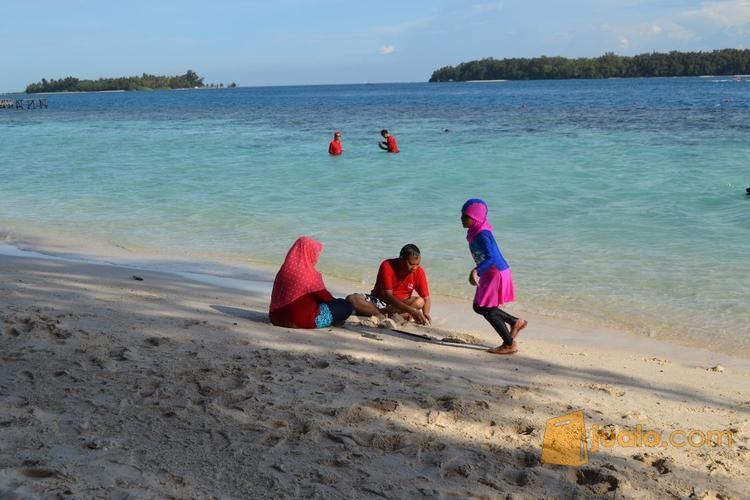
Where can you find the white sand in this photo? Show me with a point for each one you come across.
(116, 388)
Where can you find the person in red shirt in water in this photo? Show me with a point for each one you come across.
(389, 144)
(335, 148)
(395, 287)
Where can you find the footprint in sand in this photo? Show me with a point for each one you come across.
(523, 478)
(599, 481)
(389, 442)
(519, 391)
(606, 388)
(28, 324)
(466, 470)
(400, 374)
(12, 331)
(354, 415)
(156, 341)
(384, 405)
(530, 460)
(524, 428)
(662, 464)
(459, 409)
(121, 354)
(38, 473)
(349, 359)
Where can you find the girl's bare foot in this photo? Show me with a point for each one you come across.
(517, 327)
(504, 349)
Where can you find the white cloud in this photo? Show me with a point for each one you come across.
(387, 49)
(642, 36)
(726, 13)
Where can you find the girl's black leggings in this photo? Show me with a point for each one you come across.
(498, 318)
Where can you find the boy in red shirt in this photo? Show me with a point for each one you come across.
(398, 279)
(335, 148)
(390, 142)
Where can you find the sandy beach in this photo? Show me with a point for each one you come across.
(112, 387)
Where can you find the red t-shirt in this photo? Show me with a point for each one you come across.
(392, 146)
(334, 148)
(302, 312)
(402, 285)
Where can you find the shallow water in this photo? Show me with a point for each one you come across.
(621, 200)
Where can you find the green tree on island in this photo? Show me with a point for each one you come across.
(144, 82)
(609, 65)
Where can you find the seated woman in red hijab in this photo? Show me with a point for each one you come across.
(299, 298)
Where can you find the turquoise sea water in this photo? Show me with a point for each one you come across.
(622, 200)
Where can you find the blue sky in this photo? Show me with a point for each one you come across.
(280, 42)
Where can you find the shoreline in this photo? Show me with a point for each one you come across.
(170, 386)
(453, 312)
(566, 267)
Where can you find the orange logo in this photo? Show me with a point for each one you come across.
(565, 440)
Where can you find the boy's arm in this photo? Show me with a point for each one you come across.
(423, 290)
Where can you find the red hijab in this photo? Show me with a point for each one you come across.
(297, 276)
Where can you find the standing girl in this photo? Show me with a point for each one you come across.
(299, 298)
(491, 276)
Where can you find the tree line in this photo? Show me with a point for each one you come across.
(610, 65)
(70, 84)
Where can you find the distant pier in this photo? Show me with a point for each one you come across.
(8, 103)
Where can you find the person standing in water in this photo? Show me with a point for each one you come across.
(389, 144)
(335, 147)
(491, 276)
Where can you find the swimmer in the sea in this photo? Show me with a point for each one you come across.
(335, 148)
(389, 144)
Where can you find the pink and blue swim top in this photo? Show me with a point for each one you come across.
(482, 244)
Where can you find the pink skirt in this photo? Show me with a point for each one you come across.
(495, 288)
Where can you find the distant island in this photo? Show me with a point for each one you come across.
(145, 82)
(610, 65)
